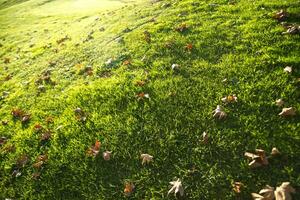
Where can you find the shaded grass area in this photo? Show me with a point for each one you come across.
(236, 40)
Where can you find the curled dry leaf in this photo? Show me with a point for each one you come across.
(37, 127)
(292, 29)
(205, 137)
(140, 83)
(176, 187)
(288, 112)
(3, 140)
(230, 99)
(174, 66)
(189, 47)
(142, 95)
(258, 159)
(219, 113)
(94, 150)
(275, 151)
(106, 155)
(237, 187)
(280, 15)
(25, 118)
(46, 136)
(129, 187)
(17, 113)
(146, 158)
(183, 27)
(283, 192)
(279, 102)
(22, 160)
(265, 194)
(36, 175)
(288, 69)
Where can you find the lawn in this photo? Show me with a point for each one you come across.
(79, 78)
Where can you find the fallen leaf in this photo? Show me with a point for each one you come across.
(106, 155)
(230, 99)
(288, 112)
(127, 62)
(36, 175)
(237, 187)
(128, 190)
(4, 122)
(94, 150)
(275, 151)
(189, 47)
(183, 27)
(26, 118)
(279, 102)
(142, 95)
(280, 15)
(293, 29)
(6, 60)
(205, 137)
(174, 66)
(257, 159)
(38, 165)
(37, 127)
(284, 191)
(17, 113)
(288, 69)
(22, 160)
(219, 113)
(140, 83)
(176, 187)
(46, 136)
(146, 158)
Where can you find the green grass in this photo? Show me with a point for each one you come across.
(238, 40)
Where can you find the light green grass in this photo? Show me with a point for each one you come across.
(237, 40)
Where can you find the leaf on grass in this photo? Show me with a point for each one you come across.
(22, 160)
(142, 96)
(280, 15)
(176, 187)
(205, 137)
(219, 113)
(129, 188)
(140, 83)
(17, 113)
(279, 102)
(146, 158)
(182, 28)
(288, 112)
(26, 118)
(80, 114)
(292, 29)
(6, 60)
(230, 99)
(283, 192)
(265, 194)
(36, 175)
(4, 122)
(94, 150)
(288, 69)
(175, 66)
(275, 151)
(237, 187)
(189, 47)
(46, 136)
(3, 140)
(106, 155)
(257, 159)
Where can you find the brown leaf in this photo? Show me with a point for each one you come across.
(25, 118)
(237, 187)
(258, 159)
(284, 191)
(106, 155)
(205, 138)
(128, 190)
(140, 83)
(18, 113)
(182, 28)
(94, 150)
(275, 151)
(46, 136)
(288, 112)
(280, 15)
(189, 47)
(22, 160)
(279, 102)
(6, 60)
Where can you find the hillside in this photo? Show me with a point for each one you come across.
(82, 77)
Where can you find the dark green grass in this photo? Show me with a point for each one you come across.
(237, 40)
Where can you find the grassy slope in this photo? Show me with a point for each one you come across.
(236, 40)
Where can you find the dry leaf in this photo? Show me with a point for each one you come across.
(265, 194)
(106, 155)
(129, 187)
(284, 191)
(182, 28)
(280, 15)
(17, 113)
(25, 118)
(6, 60)
(279, 102)
(176, 187)
(189, 47)
(237, 187)
(258, 159)
(292, 29)
(46, 136)
(4, 122)
(288, 69)
(219, 113)
(205, 137)
(275, 151)
(140, 83)
(142, 95)
(146, 158)
(22, 160)
(38, 165)
(175, 66)
(288, 112)
(94, 150)
(230, 99)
